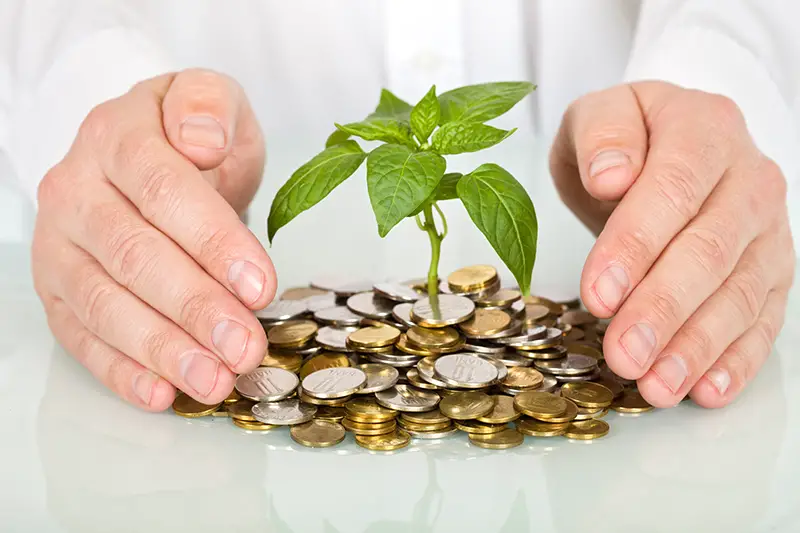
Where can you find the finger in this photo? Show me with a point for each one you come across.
(740, 363)
(717, 323)
(684, 164)
(694, 265)
(119, 373)
(171, 194)
(158, 272)
(120, 319)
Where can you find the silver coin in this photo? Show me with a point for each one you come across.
(426, 372)
(284, 413)
(379, 377)
(396, 363)
(397, 292)
(467, 371)
(487, 348)
(399, 356)
(337, 316)
(341, 286)
(579, 377)
(511, 359)
(554, 352)
(451, 310)
(444, 287)
(525, 336)
(334, 339)
(518, 309)
(514, 329)
(502, 371)
(308, 350)
(483, 293)
(552, 335)
(370, 305)
(549, 384)
(320, 301)
(432, 435)
(282, 310)
(571, 365)
(267, 384)
(405, 398)
(334, 382)
(353, 287)
(413, 377)
(402, 313)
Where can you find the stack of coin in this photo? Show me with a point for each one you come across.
(389, 363)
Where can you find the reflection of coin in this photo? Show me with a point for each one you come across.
(370, 305)
(267, 384)
(338, 316)
(334, 382)
(466, 405)
(404, 398)
(465, 370)
(396, 292)
(318, 434)
(444, 310)
(283, 413)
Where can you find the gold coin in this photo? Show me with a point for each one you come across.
(466, 405)
(428, 417)
(508, 438)
(405, 346)
(587, 413)
(502, 413)
(301, 293)
(545, 354)
(540, 405)
(373, 337)
(252, 426)
(335, 402)
(395, 440)
(187, 407)
(553, 307)
(535, 312)
(318, 434)
(568, 415)
(290, 362)
(584, 349)
(486, 322)
(292, 333)
(577, 318)
(366, 409)
(423, 427)
(329, 413)
(413, 377)
(472, 278)
(631, 402)
(522, 377)
(361, 428)
(587, 394)
(587, 429)
(432, 338)
(501, 298)
(322, 361)
(453, 348)
(378, 350)
(535, 428)
(242, 410)
(474, 427)
(233, 397)
(573, 335)
(222, 412)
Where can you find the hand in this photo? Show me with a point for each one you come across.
(694, 256)
(146, 272)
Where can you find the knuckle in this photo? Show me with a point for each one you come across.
(95, 295)
(772, 182)
(50, 192)
(214, 244)
(713, 248)
(197, 309)
(116, 376)
(156, 347)
(98, 123)
(665, 306)
(133, 254)
(636, 245)
(700, 342)
(725, 110)
(677, 187)
(745, 292)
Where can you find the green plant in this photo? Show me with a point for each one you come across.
(406, 175)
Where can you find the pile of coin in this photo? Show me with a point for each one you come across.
(389, 363)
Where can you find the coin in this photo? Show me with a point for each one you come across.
(329, 413)
(486, 322)
(334, 402)
(568, 415)
(517, 309)
(554, 352)
(187, 407)
(397, 292)
(584, 349)
(552, 337)
(395, 440)
(594, 374)
(424, 427)
(432, 338)
(465, 370)
(472, 277)
(508, 438)
(392, 360)
(318, 434)
(292, 333)
(548, 385)
(370, 305)
(587, 394)
(511, 359)
(426, 372)
(334, 382)
(478, 346)
(535, 312)
(528, 335)
(502, 412)
(334, 338)
(535, 428)
(373, 337)
(466, 405)
(337, 316)
(405, 398)
(428, 417)
(433, 435)
(366, 409)
(631, 402)
(523, 378)
(555, 308)
(570, 365)
(414, 378)
(587, 429)
(577, 318)
(514, 329)
(322, 361)
(473, 427)
(362, 428)
(242, 410)
(252, 426)
(301, 293)
(404, 345)
(341, 286)
(379, 377)
(402, 313)
(479, 294)
(501, 298)
(282, 310)
(267, 384)
(290, 362)
(450, 310)
(284, 412)
(540, 405)
(233, 397)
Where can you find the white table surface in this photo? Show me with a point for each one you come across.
(74, 458)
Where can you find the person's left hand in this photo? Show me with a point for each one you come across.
(694, 257)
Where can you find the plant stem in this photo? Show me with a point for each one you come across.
(436, 245)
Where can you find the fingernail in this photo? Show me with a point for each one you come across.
(720, 378)
(230, 338)
(203, 131)
(611, 286)
(143, 386)
(247, 280)
(672, 371)
(199, 372)
(639, 342)
(607, 160)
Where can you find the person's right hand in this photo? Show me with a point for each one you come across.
(146, 272)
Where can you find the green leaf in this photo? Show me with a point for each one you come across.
(312, 182)
(391, 106)
(482, 102)
(460, 137)
(399, 180)
(381, 129)
(504, 213)
(337, 137)
(425, 115)
(446, 190)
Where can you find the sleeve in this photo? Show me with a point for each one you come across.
(747, 50)
(57, 61)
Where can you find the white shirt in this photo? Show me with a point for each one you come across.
(308, 63)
